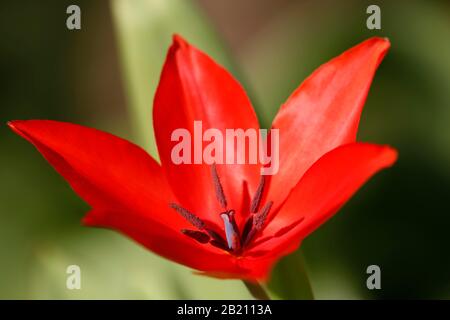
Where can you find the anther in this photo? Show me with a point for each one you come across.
(219, 245)
(255, 223)
(261, 217)
(218, 187)
(258, 195)
(215, 236)
(197, 235)
(189, 216)
(248, 227)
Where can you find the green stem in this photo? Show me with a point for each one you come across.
(256, 290)
(289, 279)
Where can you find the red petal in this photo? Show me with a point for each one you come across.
(321, 192)
(193, 87)
(246, 268)
(106, 171)
(323, 112)
(125, 186)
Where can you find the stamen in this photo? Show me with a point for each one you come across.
(257, 223)
(230, 230)
(215, 236)
(189, 216)
(247, 230)
(218, 187)
(260, 218)
(258, 195)
(234, 241)
(249, 237)
(197, 235)
(219, 245)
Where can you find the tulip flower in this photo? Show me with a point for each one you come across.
(225, 220)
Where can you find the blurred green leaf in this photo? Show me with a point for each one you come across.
(113, 267)
(289, 279)
(144, 31)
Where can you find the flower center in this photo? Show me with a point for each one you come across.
(235, 240)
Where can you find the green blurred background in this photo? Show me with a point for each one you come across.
(104, 76)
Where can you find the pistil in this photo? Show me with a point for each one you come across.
(231, 230)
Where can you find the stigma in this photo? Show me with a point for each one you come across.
(231, 230)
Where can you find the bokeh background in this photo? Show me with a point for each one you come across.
(104, 76)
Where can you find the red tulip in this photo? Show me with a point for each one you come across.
(225, 221)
